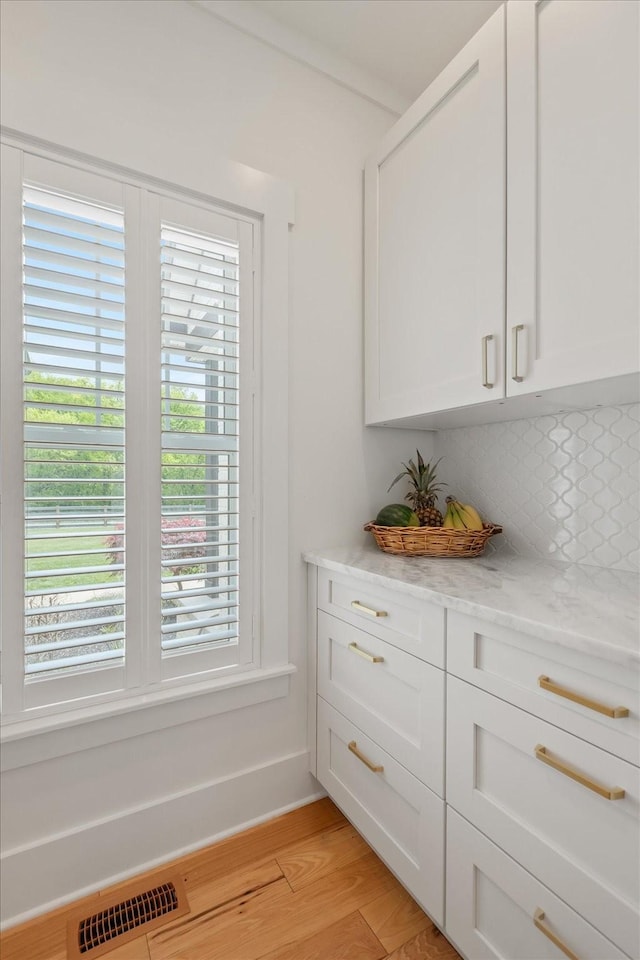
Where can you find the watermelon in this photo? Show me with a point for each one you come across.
(397, 515)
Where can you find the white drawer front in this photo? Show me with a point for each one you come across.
(396, 699)
(492, 905)
(580, 844)
(406, 622)
(400, 817)
(511, 665)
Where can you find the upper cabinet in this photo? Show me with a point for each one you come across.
(502, 222)
(435, 245)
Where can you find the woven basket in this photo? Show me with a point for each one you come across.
(432, 541)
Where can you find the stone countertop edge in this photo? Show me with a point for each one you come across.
(591, 609)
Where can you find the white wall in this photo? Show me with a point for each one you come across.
(132, 81)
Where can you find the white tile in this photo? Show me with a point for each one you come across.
(564, 487)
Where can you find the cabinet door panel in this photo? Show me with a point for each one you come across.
(573, 192)
(434, 241)
(576, 841)
(492, 904)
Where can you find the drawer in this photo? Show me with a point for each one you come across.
(400, 818)
(581, 845)
(411, 624)
(510, 665)
(396, 699)
(493, 905)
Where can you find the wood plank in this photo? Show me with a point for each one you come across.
(395, 917)
(225, 897)
(430, 944)
(188, 936)
(348, 939)
(260, 928)
(204, 891)
(307, 861)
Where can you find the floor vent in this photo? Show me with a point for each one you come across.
(106, 923)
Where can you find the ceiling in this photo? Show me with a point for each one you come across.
(404, 43)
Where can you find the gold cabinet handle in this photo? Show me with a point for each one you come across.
(514, 352)
(609, 793)
(485, 362)
(547, 684)
(374, 767)
(363, 608)
(538, 918)
(363, 653)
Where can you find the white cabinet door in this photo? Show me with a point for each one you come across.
(435, 242)
(573, 192)
(564, 809)
(498, 911)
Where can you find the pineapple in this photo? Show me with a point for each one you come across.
(424, 490)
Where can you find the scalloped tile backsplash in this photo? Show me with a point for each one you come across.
(564, 487)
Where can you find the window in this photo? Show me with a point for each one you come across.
(131, 439)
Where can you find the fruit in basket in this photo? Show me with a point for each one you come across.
(462, 516)
(424, 490)
(397, 515)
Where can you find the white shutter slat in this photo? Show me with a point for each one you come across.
(72, 225)
(89, 306)
(69, 265)
(42, 278)
(67, 663)
(211, 267)
(84, 250)
(184, 276)
(73, 263)
(56, 351)
(206, 591)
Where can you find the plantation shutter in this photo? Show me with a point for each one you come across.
(74, 433)
(128, 455)
(200, 420)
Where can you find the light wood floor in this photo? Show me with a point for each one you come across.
(304, 886)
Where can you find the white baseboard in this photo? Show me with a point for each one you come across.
(59, 869)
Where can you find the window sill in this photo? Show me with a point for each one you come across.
(29, 741)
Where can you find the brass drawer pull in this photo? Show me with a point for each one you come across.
(485, 362)
(363, 608)
(374, 767)
(363, 653)
(609, 793)
(538, 917)
(547, 684)
(514, 353)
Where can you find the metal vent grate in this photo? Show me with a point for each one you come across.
(94, 934)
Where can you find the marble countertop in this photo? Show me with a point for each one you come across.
(592, 609)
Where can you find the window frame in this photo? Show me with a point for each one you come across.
(246, 196)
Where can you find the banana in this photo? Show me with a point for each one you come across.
(448, 518)
(452, 519)
(462, 516)
(458, 520)
(470, 517)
